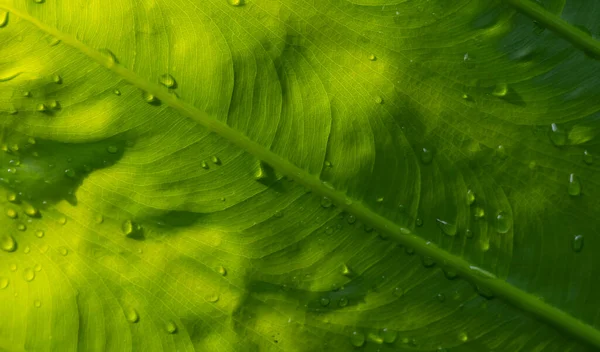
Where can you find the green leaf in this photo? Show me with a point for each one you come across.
(299, 175)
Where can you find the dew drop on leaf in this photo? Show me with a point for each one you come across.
(39, 233)
(501, 152)
(131, 315)
(41, 107)
(150, 98)
(171, 327)
(351, 219)
(8, 243)
(441, 297)
(479, 212)
(388, 335)
(574, 185)
(346, 271)
(235, 2)
(588, 158)
(167, 80)
(427, 261)
(447, 227)
(37, 267)
(326, 202)
(222, 271)
(116, 92)
(426, 156)
(13, 267)
(463, 337)
(70, 173)
(577, 243)
(62, 220)
(28, 274)
(470, 197)
(99, 218)
(26, 249)
(372, 57)
(110, 57)
(11, 197)
(3, 283)
(215, 160)
(469, 233)
(500, 90)
(3, 18)
(379, 100)
(37, 303)
(204, 164)
(39, 1)
(30, 210)
(503, 222)
(343, 302)
(324, 301)
(557, 136)
(398, 292)
(213, 298)
(357, 339)
(63, 251)
(57, 79)
(112, 149)
(11, 213)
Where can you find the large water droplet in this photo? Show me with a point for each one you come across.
(503, 222)
(171, 327)
(574, 185)
(222, 271)
(8, 243)
(131, 315)
(426, 156)
(557, 135)
(357, 339)
(578, 243)
(3, 283)
(588, 158)
(167, 80)
(111, 58)
(388, 335)
(3, 18)
(28, 274)
(447, 227)
(131, 229)
(30, 210)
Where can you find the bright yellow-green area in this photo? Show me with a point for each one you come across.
(463, 129)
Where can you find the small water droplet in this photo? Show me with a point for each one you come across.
(450, 274)
(447, 227)
(503, 222)
(467, 97)
(27, 94)
(398, 292)
(351, 219)
(37, 303)
(171, 327)
(222, 271)
(99, 218)
(111, 58)
(379, 100)
(588, 158)
(116, 92)
(150, 98)
(53, 41)
(39, 1)
(346, 271)
(30, 210)
(8, 243)
(463, 337)
(3, 18)
(426, 156)
(26, 249)
(326, 202)
(427, 261)
(215, 160)
(388, 335)
(131, 315)
(37, 267)
(500, 90)
(63, 251)
(13, 267)
(62, 220)
(39, 233)
(501, 152)
(235, 2)
(11, 197)
(3, 283)
(41, 107)
(557, 135)
(57, 79)
(372, 57)
(379, 199)
(357, 339)
(167, 80)
(324, 301)
(419, 222)
(112, 149)
(578, 243)
(469, 233)
(28, 274)
(470, 197)
(130, 228)
(214, 298)
(479, 212)
(11, 213)
(441, 297)
(204, 164)
(343, 302)
(70, 173)
(574, 185)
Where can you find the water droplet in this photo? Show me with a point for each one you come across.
(3, 283)
(3, 18)
(501, 152)
(450, 274)
(463, 337)
(503, 222)
(379, 100)
(557, 135)
(37, 267)
(204, 164)
(30, 210)
(54, 104)
(171, 327)
(11, 197)
(11, 213)
(466, 96)
(8, 243)
(479, 212)
(388, 336)
(27, 94)
(26, 249)
(116, 92)
(112, 149)
(372, 57)
(427, 261)
(62, 220)
(222, 271)
(63, 251)
(70, 173)
(469, 233)
(57, 79)
(41, 107)
(13, 267)
(167, 80)
(324, 301)
(447, 227)
(37, 303)
(500, 90)
(426, 156)
(99, 218)
(578, 243)
(28, 274)
(130, 228)
(398, 292)
(357, 339)
(214, 298)
(39, 1)
(588, 158)
(351, 219)
(53, 41)
(150, 98)
(215, 160)
(419, 222)
(235, 2)
(470, 197)
(343, 302)
(111, 58)
(326, 202)
(574, 185)
(39, 233)
(441, 297)
(131, 315)
(346, 271)
(379, 199)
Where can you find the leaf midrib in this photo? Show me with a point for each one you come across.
(404, 236)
